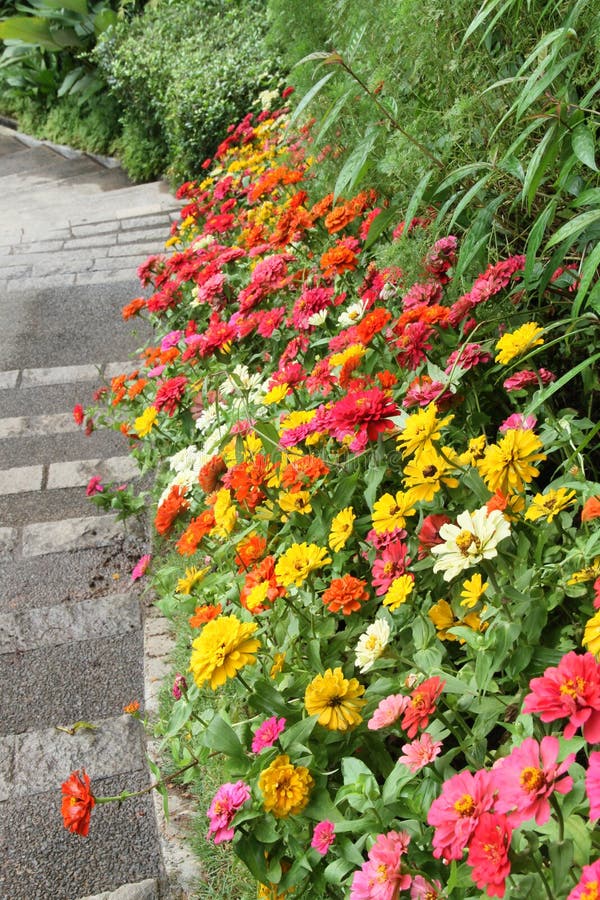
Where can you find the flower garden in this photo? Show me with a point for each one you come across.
(376, 517)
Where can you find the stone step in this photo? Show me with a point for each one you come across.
(17, 446)
(9, 144)
(29, 161)
(60, 178)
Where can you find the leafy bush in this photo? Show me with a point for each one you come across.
(182, 72)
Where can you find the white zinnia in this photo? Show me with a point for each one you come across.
(317, 318)
(352, 314)
(371, 644)
(474, 537)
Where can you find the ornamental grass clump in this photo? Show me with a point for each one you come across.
(376, 515)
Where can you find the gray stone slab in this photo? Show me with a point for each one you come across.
(149, 889)
(20, 285)
(20, 510)
(151, 221)
(44, 626)
(47, 399)
(70, 534)
(78, 472)
(103, 239)
(48, 756)
(8, 540)
(160, 235)
(41, 860)
(39, 247)
(58, 375)
(140, 249)
(126, 277)
(111, 370)
(109, 263)
(60, 685)
(9, 379)
(108, 226)
(81, 575)
(39, 446)
(20, 480)
(19, 426)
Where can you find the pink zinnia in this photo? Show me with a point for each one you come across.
(421, 889)
(323, 837)
(527, 778)
(267, 733)
(527, 378)
(226, 802)
(389, 710)
(589, 883)
(369, 410)
(455, 813)
(140, 567)
(467, 357)
(94, 486)
(592, 784)
(390, 565)
(570, 690)
(420, 752)
(488, 853)
(518, 422)
(422, 705)
(381, 877)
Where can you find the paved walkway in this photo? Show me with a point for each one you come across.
(72, 233)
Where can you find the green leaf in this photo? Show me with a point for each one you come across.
(544, 154)
(588, 272)
(398, 777)
(536, 235)
(298, 733)
(584, 146)
(561, 858)
(332, 115)
(355, 166)
(415, 200)
(70, 80)
(220, 736)
(574, 227)
(252, 853)
(266, 698)
(310, 95)
(180, 714)
(373, 478)
(468, 196)
(30, 30)
(541, 397)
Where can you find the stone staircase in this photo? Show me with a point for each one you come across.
(73, 231)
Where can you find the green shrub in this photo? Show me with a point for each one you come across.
(184, 71)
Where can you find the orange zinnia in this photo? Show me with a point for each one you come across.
(302, 472)
(591, 509)
(204, 614)
(250, 551)
(169, 509)
(133, 308)
(345, 594)
(77, 803)
(210, 473)
(193, 534)
(338, 259)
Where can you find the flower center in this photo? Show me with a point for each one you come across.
(573, 687)
(590, 891)
(532, 779)
(465, 806)
(429, 471)
(465, 540)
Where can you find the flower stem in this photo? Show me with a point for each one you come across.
(127, 795)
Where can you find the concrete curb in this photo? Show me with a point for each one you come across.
(10, 127)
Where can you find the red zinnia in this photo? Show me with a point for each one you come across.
(77, 803)
(170, 393)
(422, 705)
(488, 853)
(78, 414)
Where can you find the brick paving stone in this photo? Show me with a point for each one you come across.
(20, 426)
(58, 375)
(78, 472)
(21, 479)
(9, 379)
(70, 534)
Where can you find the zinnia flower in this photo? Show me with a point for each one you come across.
(399, 592)
(77, 803)
(381, 876)
(388, 711)
(473, 590)
(516, 343)
(420, 429)
(371, 645)
(474, 537)
(224, 647)
(335, 700)
(421, 889)
(420, 752)
(421, 705)
(298, 561)
(227, 801)
(588, 887)
(286, 788)
(570, 690)
(488, 853)
(323, 837)
(140, 567)
(592, 784)
(345, 594)
(527, 777)
(390, 512)
(591, 635)
(267, 733)
(547, 506)
(508, 465)
(454, 814)
(144, 423)
(591, 509)
(341, 528)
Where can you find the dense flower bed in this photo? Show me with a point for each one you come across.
(376, 515)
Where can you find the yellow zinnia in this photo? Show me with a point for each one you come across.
(224, 646)
(548, 505)
(516, 343)
(426, 473)
(390, 512)
(335, 700)
(591, 635)
(144, 424)
(286, 788)
(443, 618)
(295, 501)
(225, 514)
(341, 528)
(420, 429)
(399, 592)
(508, 465)
(473, 590)
(298, 562)
(193, 576)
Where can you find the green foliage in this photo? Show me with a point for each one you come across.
(183, 71)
